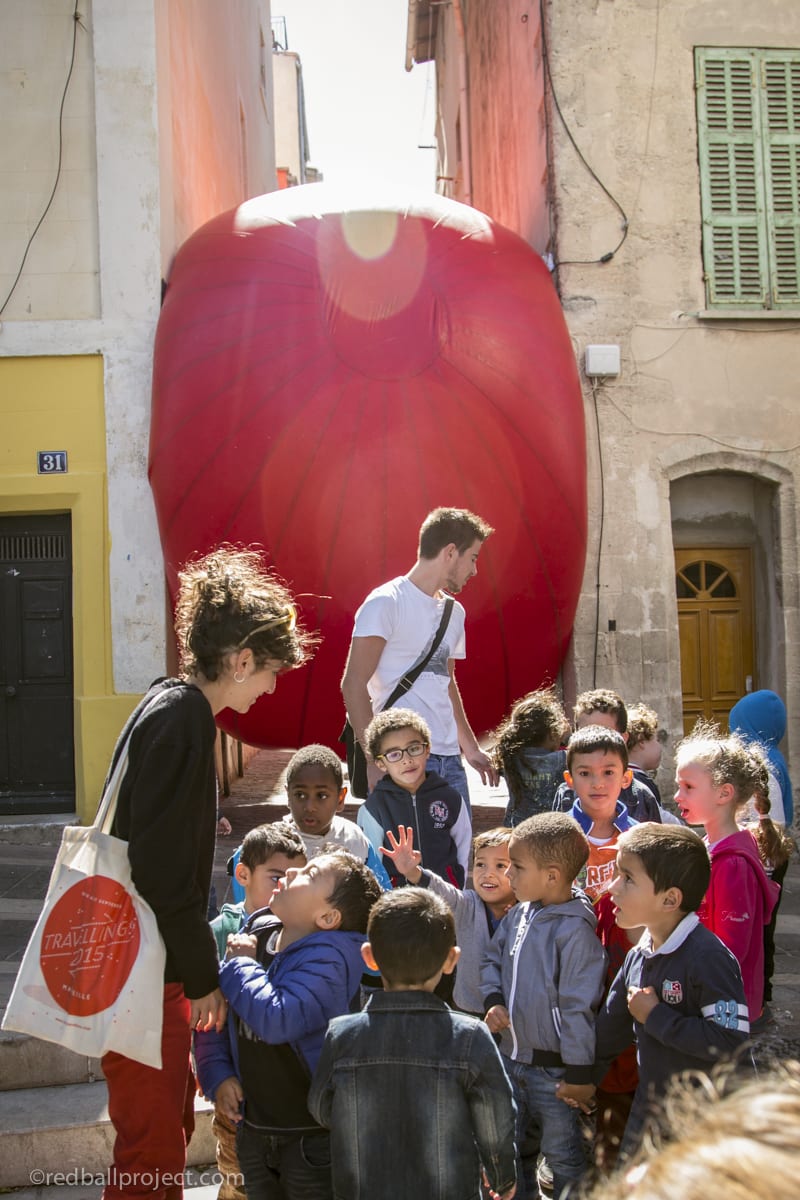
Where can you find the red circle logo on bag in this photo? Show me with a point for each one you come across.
(89, 945)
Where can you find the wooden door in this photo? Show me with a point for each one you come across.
(36, 680)
(715, 624)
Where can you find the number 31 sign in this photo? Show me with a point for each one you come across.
(51, 462)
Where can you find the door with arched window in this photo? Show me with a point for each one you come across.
(715, 623)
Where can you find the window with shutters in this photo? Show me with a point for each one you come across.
(748, 117)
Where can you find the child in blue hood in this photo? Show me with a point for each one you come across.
(761, 717)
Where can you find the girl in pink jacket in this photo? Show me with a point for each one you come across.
(715, 777)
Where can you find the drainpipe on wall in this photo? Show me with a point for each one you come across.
(411, 33)
(301, 122)
(463, 101)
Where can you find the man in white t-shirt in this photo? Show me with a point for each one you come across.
(394, 629)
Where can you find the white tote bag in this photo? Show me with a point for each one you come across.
(92, 977)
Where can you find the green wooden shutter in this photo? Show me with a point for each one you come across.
(748, 120)
(781, 95)
(735, 256)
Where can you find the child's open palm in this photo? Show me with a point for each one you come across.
(405, 858)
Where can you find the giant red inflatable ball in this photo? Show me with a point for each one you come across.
(325, 374)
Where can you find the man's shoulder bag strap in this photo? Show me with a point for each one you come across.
(411, 676)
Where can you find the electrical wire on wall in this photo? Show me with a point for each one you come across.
(599, 536)
(76, 21)
(604, 258)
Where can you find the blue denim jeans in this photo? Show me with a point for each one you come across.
(451, 768)
(285, 1166)
(561, 1139)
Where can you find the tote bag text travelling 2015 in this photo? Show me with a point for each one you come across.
(92, 976)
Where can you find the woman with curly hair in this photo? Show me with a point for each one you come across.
(237, 630)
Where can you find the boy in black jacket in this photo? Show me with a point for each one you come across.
(398, 739)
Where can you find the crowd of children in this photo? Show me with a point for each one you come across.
(602, 948)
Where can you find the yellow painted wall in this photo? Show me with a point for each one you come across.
(56, 403)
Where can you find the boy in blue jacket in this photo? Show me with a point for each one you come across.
(284, 979)
(267, 853)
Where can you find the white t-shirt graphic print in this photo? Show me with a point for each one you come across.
(407, 619)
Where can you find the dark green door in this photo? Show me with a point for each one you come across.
(37, 771)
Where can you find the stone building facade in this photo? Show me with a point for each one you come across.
(144, 120)
(651, 152)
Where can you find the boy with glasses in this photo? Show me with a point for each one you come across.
(408, 795)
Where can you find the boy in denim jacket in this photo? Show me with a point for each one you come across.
(415, 1095)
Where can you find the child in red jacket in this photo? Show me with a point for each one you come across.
(715, 777)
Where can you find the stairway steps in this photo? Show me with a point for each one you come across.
(195, 1188)
(46, 1133)
(53, 1106)
(28, 1062)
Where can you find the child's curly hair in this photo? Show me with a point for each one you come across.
(642, 724)
(227, 601)
(392, 720)
(723, 1134)
(534, 720)
(319, 756)
(553, 839)
(726, 758)
(606, 701)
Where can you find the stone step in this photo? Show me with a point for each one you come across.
(28, 1062)
(45, 1133)
(37, 829)
(78, 1188)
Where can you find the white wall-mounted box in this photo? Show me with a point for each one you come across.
(602, 360)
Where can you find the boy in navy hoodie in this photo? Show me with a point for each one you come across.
(284, 979)
(680, 989)
(399, 742)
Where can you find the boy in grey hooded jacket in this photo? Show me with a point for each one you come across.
(542, 984)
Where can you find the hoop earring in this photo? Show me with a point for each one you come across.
(236, 678)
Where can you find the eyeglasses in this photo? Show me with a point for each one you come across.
(288, 618)
(413, 751)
